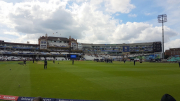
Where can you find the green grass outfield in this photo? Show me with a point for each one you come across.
(89, 80)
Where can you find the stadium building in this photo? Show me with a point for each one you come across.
(173, 54)
(60, 48)
(114, 49)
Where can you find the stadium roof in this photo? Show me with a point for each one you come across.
(120, 44)
(19, 43)
(58, 38)
(55, 38)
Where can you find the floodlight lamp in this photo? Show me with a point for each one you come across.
(159, 18)
(164, 15)
(165, 19)
(162, 18)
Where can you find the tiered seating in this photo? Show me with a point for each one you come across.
(178, 58)
(42, 58)
(54, 53)
(115, 57)
(173, 59)
(44, 53)
(26, 52)
(50, 58)
(64, 53)
(89, 57)
(1, 51)
(60, 58)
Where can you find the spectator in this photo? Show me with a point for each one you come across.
(38, 99)
(167, 97)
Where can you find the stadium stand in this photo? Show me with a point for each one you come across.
(173, 59)
(60, 58)
(57, 47)
(89, 57)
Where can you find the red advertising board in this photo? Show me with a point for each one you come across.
(8, 97)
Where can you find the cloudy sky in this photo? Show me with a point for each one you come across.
(90, 21)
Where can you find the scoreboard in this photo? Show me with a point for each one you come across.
(157, 47)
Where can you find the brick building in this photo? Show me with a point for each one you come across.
(172, 52)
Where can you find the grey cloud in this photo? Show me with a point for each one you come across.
(140, 32)
(61, 20)
(130, 30)
(35, 7)
(26, 24)
(13, 1)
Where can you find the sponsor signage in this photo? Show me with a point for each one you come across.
(25, 98)
(43, 44)
(70, 100)
(49, 99)
(111, 50)
(125, 48)
(16, 98)
(73, 56)
(8, 97)
(31, 99)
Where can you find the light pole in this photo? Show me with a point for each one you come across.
(161, 19)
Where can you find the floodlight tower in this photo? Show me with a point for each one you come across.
(161, 19)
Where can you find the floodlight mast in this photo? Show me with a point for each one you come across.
(161, 19)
